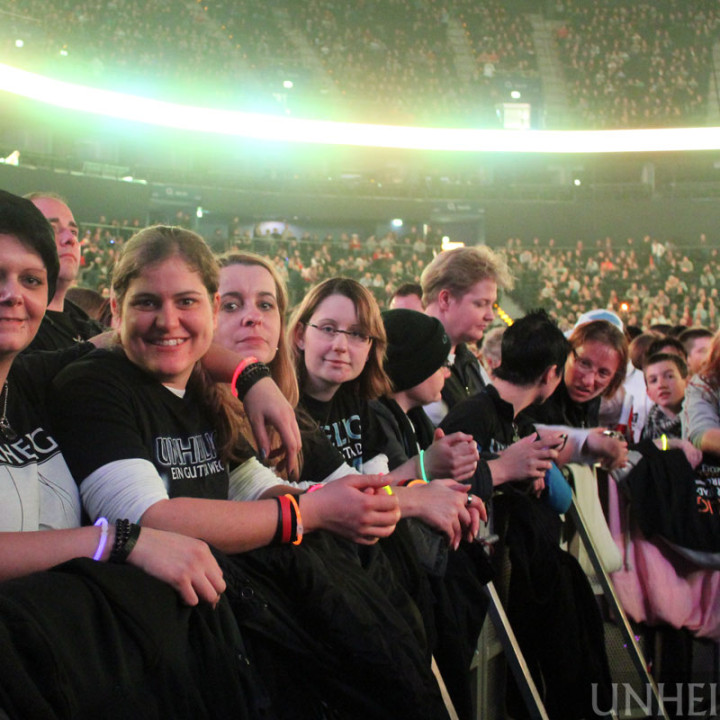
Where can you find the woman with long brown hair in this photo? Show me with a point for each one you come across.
(339, 341)
(168, 452)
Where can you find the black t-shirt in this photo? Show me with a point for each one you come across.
(59, 330)
(349, 425)
(489, 419)
(36, 489)
(105, 409)
(320, 457)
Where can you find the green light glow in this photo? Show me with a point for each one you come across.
(269, 127)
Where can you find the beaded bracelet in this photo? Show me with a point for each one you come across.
(241, 367)
(126, 537)
(248, 377)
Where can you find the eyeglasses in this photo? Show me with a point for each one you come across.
(355, 337)
(586, 367)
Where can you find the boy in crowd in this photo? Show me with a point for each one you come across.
(666, 380)
(666, 376)
(533, 355)
(696, 341)
(416, 363)
(565, 650)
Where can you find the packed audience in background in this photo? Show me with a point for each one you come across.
(645, 281)
(637, 64)
(625, 65)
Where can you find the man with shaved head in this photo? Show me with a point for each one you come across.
(65, 323)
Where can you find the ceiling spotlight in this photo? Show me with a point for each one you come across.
(12, 159)
(515, 95)
(288, 84)
(19, 43)
(448, 244)
(397, 223)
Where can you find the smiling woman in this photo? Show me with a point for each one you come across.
(23, 297)
(166, 319)
(168, 452)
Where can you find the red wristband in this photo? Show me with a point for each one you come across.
(286, 519)
(238, 371)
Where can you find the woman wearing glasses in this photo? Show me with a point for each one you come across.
(251, 323)
(595, 368)
(167, 449)
(339, 343)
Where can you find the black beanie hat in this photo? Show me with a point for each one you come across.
(417, 346)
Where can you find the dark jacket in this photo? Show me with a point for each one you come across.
(89, 640)
(465, 378)
(561, 409)
(59, 330)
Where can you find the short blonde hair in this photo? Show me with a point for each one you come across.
(459, 269)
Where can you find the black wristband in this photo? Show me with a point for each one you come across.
(249, 376)
(132, 539)
(126, 536)
(277, 537)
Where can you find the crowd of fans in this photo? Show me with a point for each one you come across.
(396, 52)
(164, 314)
(626, 64)
(126, 44)
(501, 40)
(638, 64)
(645, 282)
(378, 263)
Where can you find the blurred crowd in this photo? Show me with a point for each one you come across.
(638, 64)
(626, 64)
(645, 282)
